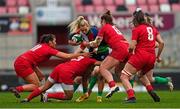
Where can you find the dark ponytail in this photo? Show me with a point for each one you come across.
(45, 38)
(138, 17)
(107, 17)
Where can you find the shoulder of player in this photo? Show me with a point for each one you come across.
(139, 27)
(47, 47)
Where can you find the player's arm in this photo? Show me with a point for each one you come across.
(134, 38)
(132, 46)
(71, 55)
(160, 47)
(79, 50)
(73, 43)
(156, 44)
(97, 63)
(81, 47)
(94, 43)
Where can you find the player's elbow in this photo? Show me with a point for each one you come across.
(161, 43)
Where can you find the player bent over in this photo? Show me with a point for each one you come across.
(64, 74)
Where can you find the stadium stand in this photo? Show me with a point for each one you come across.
(148, 5)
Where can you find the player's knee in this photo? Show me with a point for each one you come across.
(37, 84)
(151, 80)
(34, 86)
(124, 76)
(101, 68)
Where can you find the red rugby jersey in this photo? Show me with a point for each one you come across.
(39, 53)
(145, 35)
(77, 66)
(112, 36)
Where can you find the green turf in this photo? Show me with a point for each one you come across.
(168, 100)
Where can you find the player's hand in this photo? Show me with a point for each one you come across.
(73, 43)
(95, 50)
(86, 44)
(158, 59)
(86, 54)
(42, 82)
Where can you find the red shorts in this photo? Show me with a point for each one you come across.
(120, 53)
(62, 76)
(23, 67)
(143, 61)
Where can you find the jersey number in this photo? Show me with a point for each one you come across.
(117, 31)
(150, 33)
(78, 59)
(36, 47)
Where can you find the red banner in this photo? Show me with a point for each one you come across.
(164, 21)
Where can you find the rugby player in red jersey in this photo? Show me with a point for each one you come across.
(144, 37)
(26, 65)
(158, 79)
(116, 41)
(65, 74)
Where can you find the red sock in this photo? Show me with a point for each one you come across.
(58, 95)
(149, 88)
(130, 93)
(19, 88)
(111, 84)
(33, 94)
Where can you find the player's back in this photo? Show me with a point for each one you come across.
(146, 37)
(39, 53)
(111, 35)
(78, 65)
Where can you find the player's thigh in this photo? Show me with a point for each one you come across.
(128, 68)
(109, 62)
(32, 79)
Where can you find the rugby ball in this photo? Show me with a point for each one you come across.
(77, 38)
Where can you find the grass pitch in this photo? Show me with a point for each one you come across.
(168, 100)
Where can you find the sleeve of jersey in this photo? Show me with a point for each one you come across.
(53, 51)
(134, 34)
(93, 60)
(101, 32)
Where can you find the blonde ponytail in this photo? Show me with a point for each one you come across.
(75, 25)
